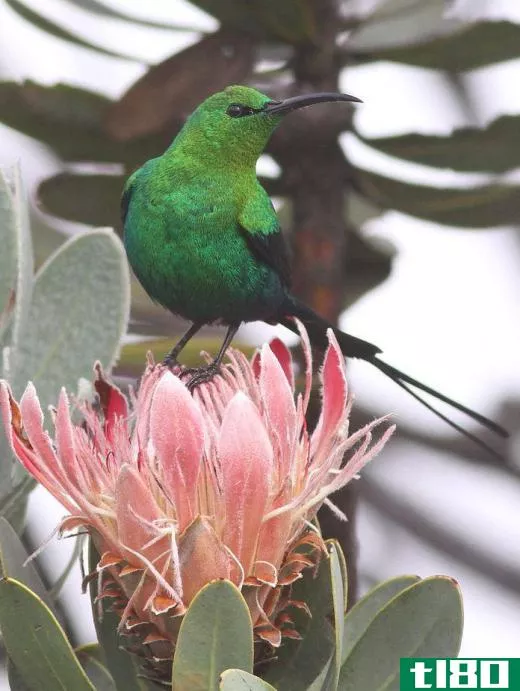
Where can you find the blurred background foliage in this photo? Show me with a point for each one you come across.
(285, 47)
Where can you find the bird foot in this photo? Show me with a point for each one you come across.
(170, 362)
(201, 375)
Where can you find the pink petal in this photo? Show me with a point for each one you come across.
(39, 439)
(136, 510)
(177, 434)
(334, 390)
(203, 557)
(65, 445)
(12, 420)
(279, 407)
(246, 458)
(283, 355)
(307, 353)
(113, 403)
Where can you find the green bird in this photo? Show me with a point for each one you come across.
(204, 240)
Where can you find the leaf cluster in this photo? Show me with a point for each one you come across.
(215, 651)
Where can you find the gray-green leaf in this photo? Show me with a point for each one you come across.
(474, 207)
(238, 680)
(362, 614)
(35, 642)
(78, 314)
(216, 634)
(468, 149)
(424, 620)
(473, 46)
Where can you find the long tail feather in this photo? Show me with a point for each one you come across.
(357, 348)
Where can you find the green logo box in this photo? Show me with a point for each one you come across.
(442, 674)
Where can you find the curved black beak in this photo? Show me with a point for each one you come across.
(285, 106)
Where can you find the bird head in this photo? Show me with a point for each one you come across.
(235, 124)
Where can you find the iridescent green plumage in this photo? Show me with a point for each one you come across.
(203, 238)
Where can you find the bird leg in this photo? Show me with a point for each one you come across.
(170, 360)
(206, 373)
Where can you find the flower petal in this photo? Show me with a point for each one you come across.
(39, 439)
(113, 403)
(203, 557)
(279, 408)
(246, 458)
(334, 390)
(177, 435)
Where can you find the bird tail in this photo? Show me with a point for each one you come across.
(357, 348)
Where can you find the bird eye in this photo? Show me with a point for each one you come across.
(235, 110)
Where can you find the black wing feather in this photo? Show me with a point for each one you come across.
(271, 249)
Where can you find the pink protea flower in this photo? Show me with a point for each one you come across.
(188, 488)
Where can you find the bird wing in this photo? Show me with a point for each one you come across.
(270, 249)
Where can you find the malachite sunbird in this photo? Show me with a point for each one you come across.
(204, 240)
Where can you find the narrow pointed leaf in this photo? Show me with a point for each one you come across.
(71, 121)
(338, 577)
(424, 620)
(477, 45)
(292, 21)
(362, 614)
(238, 680)
(216, 634)
(469, 149)
(35, 642)
(57, 31)
(90, 199)
(90, 659)
(121, 665)
(169, 91)
(78, 315)
(8, 256)
(474, 207)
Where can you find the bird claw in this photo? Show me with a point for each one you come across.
(201, 375)
(170, 362)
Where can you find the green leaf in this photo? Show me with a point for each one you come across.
(300, 663)
(469, 149)
(57, 31)
(90, 199)
(238, 680)
(16, 683)
(9, 254)
(362, 614)
(424, 620)
(477, 45)
(36, 643)
(122, 666)
(15, 233)
(216, 634)
(78, 315)
(474, 207)
(338, 578)
(292, 21)
(71, 121)
(13, 557)
(90, 658)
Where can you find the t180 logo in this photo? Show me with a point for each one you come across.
(445, 673)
